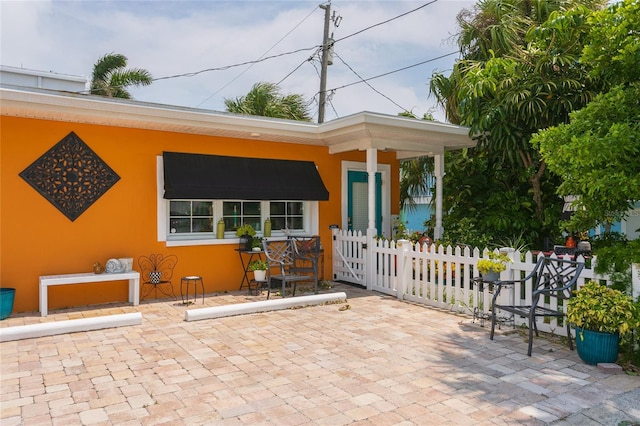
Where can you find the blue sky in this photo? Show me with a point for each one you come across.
(178, 37)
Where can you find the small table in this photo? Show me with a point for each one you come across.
(245, 264)
(478, 312)
(85, 278)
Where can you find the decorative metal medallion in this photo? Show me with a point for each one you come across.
(71, 176)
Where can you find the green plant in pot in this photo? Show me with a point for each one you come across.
(601, 315)
(491, 266)
(259, 268)
(246, 234)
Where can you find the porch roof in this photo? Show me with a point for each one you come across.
(407, 137)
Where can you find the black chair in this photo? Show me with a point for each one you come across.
(307, 256)
(156, 272)
(551, 278)
(281, 257)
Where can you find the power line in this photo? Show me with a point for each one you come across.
(395, 71)
(386, 22)
(309, 59)
(226, 67)
(367, 83)
(269, 50)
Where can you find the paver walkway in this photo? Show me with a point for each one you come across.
(380, 362)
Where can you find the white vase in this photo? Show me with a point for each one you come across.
(259, 275)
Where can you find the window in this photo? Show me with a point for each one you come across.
(188, 217)
(286, 215)
(193, 217)
(186, 222)
(238, 213)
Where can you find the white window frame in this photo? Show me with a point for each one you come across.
(310, 222)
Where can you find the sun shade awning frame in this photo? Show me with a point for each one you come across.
(217, 177)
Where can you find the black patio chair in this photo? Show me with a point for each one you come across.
(282, 265)
(551, 278)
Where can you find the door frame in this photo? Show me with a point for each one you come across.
(385, 190)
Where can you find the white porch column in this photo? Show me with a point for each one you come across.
(372, 168)
(439, 174)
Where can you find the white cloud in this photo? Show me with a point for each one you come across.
(176, 37)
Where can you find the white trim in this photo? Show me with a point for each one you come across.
(407, 137)
(385, 190)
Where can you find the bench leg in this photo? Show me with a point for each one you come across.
(43, 300)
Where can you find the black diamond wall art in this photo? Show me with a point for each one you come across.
(70, 176)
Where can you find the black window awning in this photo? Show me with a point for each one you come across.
(217, 177)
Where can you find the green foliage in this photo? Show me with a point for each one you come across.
(414, 180)
(520, 74)
(596, 154)
(615, 256)
(464, 233)
(614, 47)
(258, 265)
(264, 99)
(597, 307)
(496, 262)
(494, 202)
(111, 78)
(245, 229)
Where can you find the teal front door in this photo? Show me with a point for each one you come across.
(358, 201)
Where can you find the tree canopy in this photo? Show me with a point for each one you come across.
(264, 99)
(597, 152)
(519, 73)
(110, 77)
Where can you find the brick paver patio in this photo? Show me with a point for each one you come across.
(380, 362)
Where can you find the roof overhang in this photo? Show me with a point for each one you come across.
(406, 136)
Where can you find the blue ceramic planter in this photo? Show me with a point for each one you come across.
(7, 296)
(595, 347)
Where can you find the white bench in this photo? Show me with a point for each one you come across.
(89, 277)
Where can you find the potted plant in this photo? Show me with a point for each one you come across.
(246, 233)
(259, 268)
(256, 244)
(491, 267)
(601, 315)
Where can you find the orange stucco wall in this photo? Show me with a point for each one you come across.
(36, 239)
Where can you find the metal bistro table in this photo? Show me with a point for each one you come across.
(246, 257)
(483, 300)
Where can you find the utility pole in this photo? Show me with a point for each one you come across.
(325, 62)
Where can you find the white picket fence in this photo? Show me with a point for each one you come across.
(441, 277)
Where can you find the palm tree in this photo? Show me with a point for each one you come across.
(110, 77)
(264, 99)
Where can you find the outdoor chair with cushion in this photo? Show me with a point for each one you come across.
(282, 265)
(551, 278)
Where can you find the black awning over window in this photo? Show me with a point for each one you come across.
(199, 176)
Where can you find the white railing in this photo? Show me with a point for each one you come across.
(441, 277)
